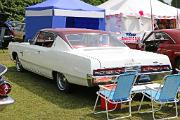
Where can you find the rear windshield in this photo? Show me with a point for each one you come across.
(93, 40)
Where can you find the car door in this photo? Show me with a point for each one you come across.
(166, 44)
(38, 53)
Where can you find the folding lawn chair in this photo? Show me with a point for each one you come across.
(119, 93)
(164, 94)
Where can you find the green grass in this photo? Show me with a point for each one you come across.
(37, 98)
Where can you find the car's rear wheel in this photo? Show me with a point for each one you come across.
(19, 66)
(62, 83)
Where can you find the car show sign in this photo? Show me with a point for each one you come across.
(130, 37)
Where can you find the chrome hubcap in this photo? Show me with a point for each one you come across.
(17, 64)
(61, 80)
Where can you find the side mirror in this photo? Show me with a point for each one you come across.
(140, 45)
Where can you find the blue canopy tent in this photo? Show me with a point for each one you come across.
(63, 14)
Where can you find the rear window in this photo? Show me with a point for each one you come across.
(93, 40)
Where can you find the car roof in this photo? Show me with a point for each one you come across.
(63, 31)
(173, 33)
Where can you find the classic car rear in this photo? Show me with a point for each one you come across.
(83, 57)
(5, 89)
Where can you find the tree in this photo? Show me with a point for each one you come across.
(162, 1)
(176, 3)
(95, 2)
(16, 8)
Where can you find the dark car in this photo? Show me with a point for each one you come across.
(6, 33)
(165, 41)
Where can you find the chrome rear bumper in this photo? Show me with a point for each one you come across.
(4, 101)
(96, 80)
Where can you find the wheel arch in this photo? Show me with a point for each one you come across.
(62, 86)
(14, 55)
(54, 74)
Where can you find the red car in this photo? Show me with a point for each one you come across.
(165, 41)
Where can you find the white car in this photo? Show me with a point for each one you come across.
(83, 57)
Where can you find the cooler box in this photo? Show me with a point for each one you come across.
(110, 105)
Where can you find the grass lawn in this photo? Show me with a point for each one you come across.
(37, 98)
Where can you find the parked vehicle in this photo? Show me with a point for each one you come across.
(19, 32)
(83, 57)
(13, 23)
(6, 33)
(5, 89)
(167, 42)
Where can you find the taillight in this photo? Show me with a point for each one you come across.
(102, 80)
(5, 88)
(157, 68)
(108, 71)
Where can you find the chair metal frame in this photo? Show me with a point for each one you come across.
(161, 101)
(116, 102)
(2, 71)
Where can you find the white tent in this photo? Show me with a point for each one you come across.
(135, 15)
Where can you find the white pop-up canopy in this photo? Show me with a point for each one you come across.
(135, 15)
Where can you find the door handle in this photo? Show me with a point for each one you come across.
(21, 53)
(38, 51)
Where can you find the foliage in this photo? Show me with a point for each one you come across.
(16, 8)
(95, 2)
(175, 3)
(162, 1)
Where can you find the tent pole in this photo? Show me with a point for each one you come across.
(151, 16)
(177, 19)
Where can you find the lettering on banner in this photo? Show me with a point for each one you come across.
(130, 37)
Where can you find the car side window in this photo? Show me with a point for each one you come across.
(163, 38)
(18, 27)
(160, 36)
(45, 39)
(151, 37)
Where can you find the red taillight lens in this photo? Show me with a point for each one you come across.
(108, 71)
(158, 68)
(102, 79)
(5, 88)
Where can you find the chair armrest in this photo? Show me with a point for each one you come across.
(107, 87)
(151, 88)
(154, 86)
